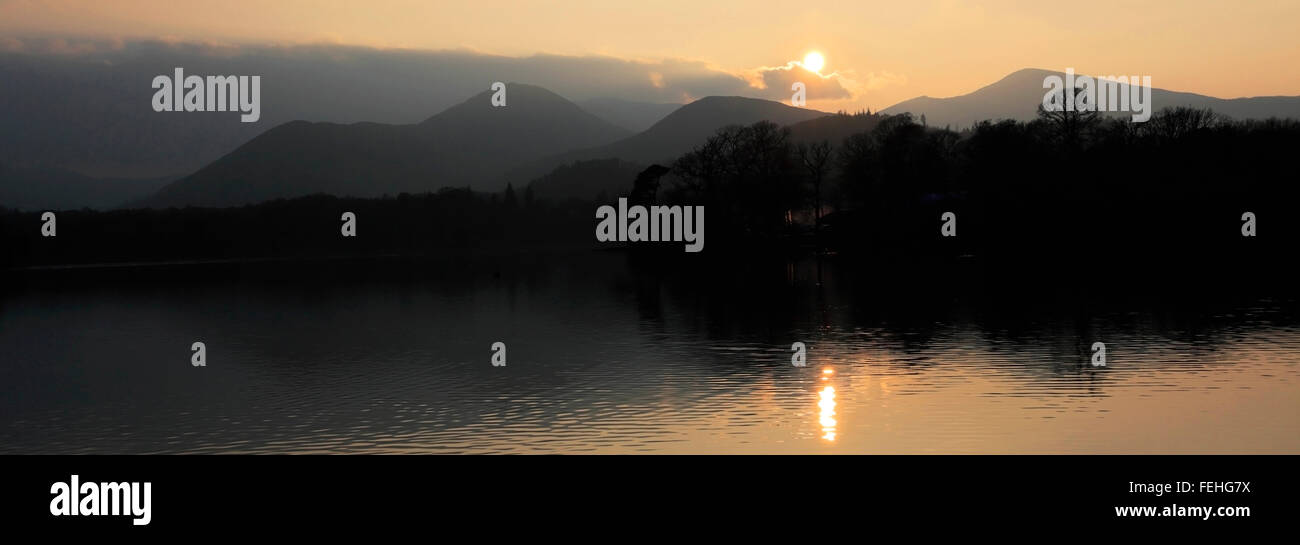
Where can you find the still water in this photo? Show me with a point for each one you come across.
(606, 357)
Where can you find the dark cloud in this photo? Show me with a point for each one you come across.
(396, 85)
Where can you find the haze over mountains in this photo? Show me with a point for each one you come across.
(1018, 95)
(631, 115)
(84, 105)
(29, 188)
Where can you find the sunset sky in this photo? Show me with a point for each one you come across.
(884, 52)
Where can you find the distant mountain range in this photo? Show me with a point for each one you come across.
(89, 118)
(89, 111)
(1018, 95)
(470, 144)
(538, 137)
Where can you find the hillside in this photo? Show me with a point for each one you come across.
(471, 144)
(676, 134)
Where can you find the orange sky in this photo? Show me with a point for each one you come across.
(887, 51)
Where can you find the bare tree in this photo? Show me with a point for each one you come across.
(1070, 125)
(1174, 123)
(815, 159)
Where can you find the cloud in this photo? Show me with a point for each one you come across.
(463, 72)
(58, 45)
(776, 82)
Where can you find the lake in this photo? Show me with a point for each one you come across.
(609, 355)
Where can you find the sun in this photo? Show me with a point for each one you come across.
(814, 61)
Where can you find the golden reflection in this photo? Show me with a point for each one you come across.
(827, 415)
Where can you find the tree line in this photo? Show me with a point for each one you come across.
(1063, 185)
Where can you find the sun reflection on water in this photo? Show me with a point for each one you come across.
(826, 417)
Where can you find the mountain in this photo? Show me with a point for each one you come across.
(96, 119)
(631, 115)
(470, 144)
(694, 123)
(89, 110)
(1018, 95)
(46, 188)
(680, 132)
(588, 179)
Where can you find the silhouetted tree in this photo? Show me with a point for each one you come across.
(1069, 126)
(1180, 121)
(509, 198)
(748, 175)
(645, 189)
(816, 159)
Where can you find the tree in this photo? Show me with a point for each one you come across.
(1070, 126)
(510, 201)
(749, 174)
(1177, 122)
(815, 159)
(645, 188)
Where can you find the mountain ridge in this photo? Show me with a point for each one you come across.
(1018, 94)
(468, 144)
(675, 134)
